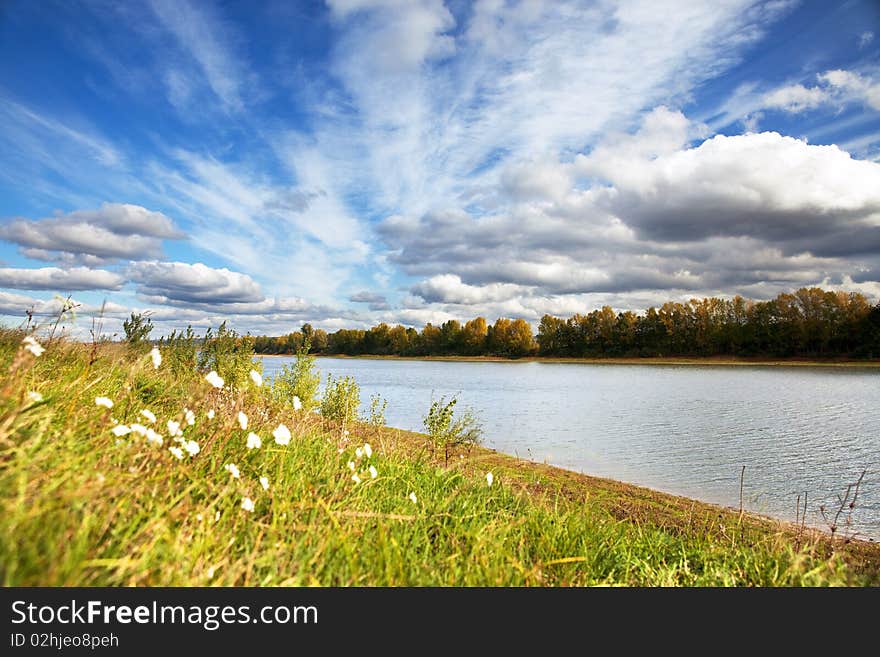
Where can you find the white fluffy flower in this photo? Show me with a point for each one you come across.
(489, 478)
(297, 404)
(174, 429)
(413, 498)
(373, 472)
(156, 357)
(254, 441)
(264, 482)
(211, 414)
(214, 379)
(106, 402)
(153, 437)
(31, 345)
(256, 378)
(233, 470)
(190, 416)
(358, 452)
(355, 478)
(148, 415)
(281, 434)
(120, 430)
(242, 420)
(368, 450)
(247, 504)
(178, 453)
(34, 396)
(351, 466)
(139, 429)
(192, 447)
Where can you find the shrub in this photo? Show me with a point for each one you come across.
(301, 379)
(179, 351)
(342, 399)
(377, 411)
(229, 354)
(448, 432)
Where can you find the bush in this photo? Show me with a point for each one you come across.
(448, 432)
(301, 379)
(342, 399)
(179, 351)
(137, 329)
(377, 411)
(229, 354)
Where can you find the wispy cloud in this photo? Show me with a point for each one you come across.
(203, 37)
(381, 160)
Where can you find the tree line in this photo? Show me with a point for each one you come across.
(810, 322)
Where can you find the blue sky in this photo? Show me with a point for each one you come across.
(355, 161)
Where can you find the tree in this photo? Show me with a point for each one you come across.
(473, 337)
(137, 328)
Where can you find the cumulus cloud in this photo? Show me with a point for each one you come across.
(648, 215)
(835, 87)
(16, 305)
(113, 231)
(183, 283)
(61, 280)
(796, 98)
(448, 288)
(853, 85)
(760, 185)
(374, 300)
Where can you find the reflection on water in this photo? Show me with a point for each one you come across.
(682, 429)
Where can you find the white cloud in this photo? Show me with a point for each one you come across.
(396, 35)
(17, 305)
(448, 288)
(760, 185)
(648, 217)
(201, 36)
(180, 282)
(60, 280)
(853, 86)
(796, 98)
(110, 232)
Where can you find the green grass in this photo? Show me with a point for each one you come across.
(79, 506)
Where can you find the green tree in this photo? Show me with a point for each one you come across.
(137, 329)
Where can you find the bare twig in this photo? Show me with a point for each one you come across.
(845, 504)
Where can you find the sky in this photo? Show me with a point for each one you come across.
(351, 162)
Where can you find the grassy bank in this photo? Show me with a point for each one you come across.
(80, 505)
(671, 360)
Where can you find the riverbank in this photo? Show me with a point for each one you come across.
(671, 361)
(115, 472)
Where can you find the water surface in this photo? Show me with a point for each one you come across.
(684, 429)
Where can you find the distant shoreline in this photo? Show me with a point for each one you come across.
(717, 361)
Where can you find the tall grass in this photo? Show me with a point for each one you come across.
(80, 505)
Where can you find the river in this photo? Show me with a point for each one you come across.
(684, 429)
